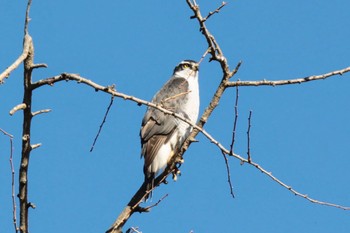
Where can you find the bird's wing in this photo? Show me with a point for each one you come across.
(158, 127)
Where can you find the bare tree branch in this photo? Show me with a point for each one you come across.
(26, 131)
(26, 146)
(40, 65)
(41, 112)
(19, 60)
(228, 174)
(27, 19)
(216, 11)
(34, 146)
(216, 55)
(14, 207)
(290, 81)
(248, 135)
(269, 174)
(27, 43)
(235, 121)
(155, 204)
(103, 122)
(305, 196)
(18, 107)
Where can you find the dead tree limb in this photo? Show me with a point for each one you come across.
(26, 146)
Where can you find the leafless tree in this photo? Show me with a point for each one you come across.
(134, 205)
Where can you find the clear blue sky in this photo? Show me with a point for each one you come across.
(300, 133)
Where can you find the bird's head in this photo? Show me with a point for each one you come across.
(186, 69)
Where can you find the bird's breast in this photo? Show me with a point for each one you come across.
(192, 105)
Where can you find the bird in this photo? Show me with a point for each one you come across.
(162, 135)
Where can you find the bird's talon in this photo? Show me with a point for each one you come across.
(174, 177)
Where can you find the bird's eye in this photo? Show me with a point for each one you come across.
(185, 66)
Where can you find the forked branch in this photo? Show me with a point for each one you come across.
(6, 73)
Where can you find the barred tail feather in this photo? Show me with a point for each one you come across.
(149, 180)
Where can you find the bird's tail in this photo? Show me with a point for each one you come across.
(149, 186)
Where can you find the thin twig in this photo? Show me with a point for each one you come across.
(27, 19)
(204, 55)
(288, 81)
(103, 122)
(235, 122)
(228, 174)
(214, 12)
(155, 204)
(14, 214)
(14, 207)
(235, 70)
(248, 135)
(296, 193)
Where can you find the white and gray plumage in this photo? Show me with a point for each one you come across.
(163, 134)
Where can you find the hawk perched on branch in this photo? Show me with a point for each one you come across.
(163, 134)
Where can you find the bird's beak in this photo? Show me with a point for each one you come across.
(196, 67)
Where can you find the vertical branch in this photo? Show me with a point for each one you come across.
(248, 135)
(228, 174)
(27, 19)
(14, 211)
(27, 120)
(14, 208)
(235, 122)
(26, 148)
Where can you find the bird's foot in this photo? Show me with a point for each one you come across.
(176, 172)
